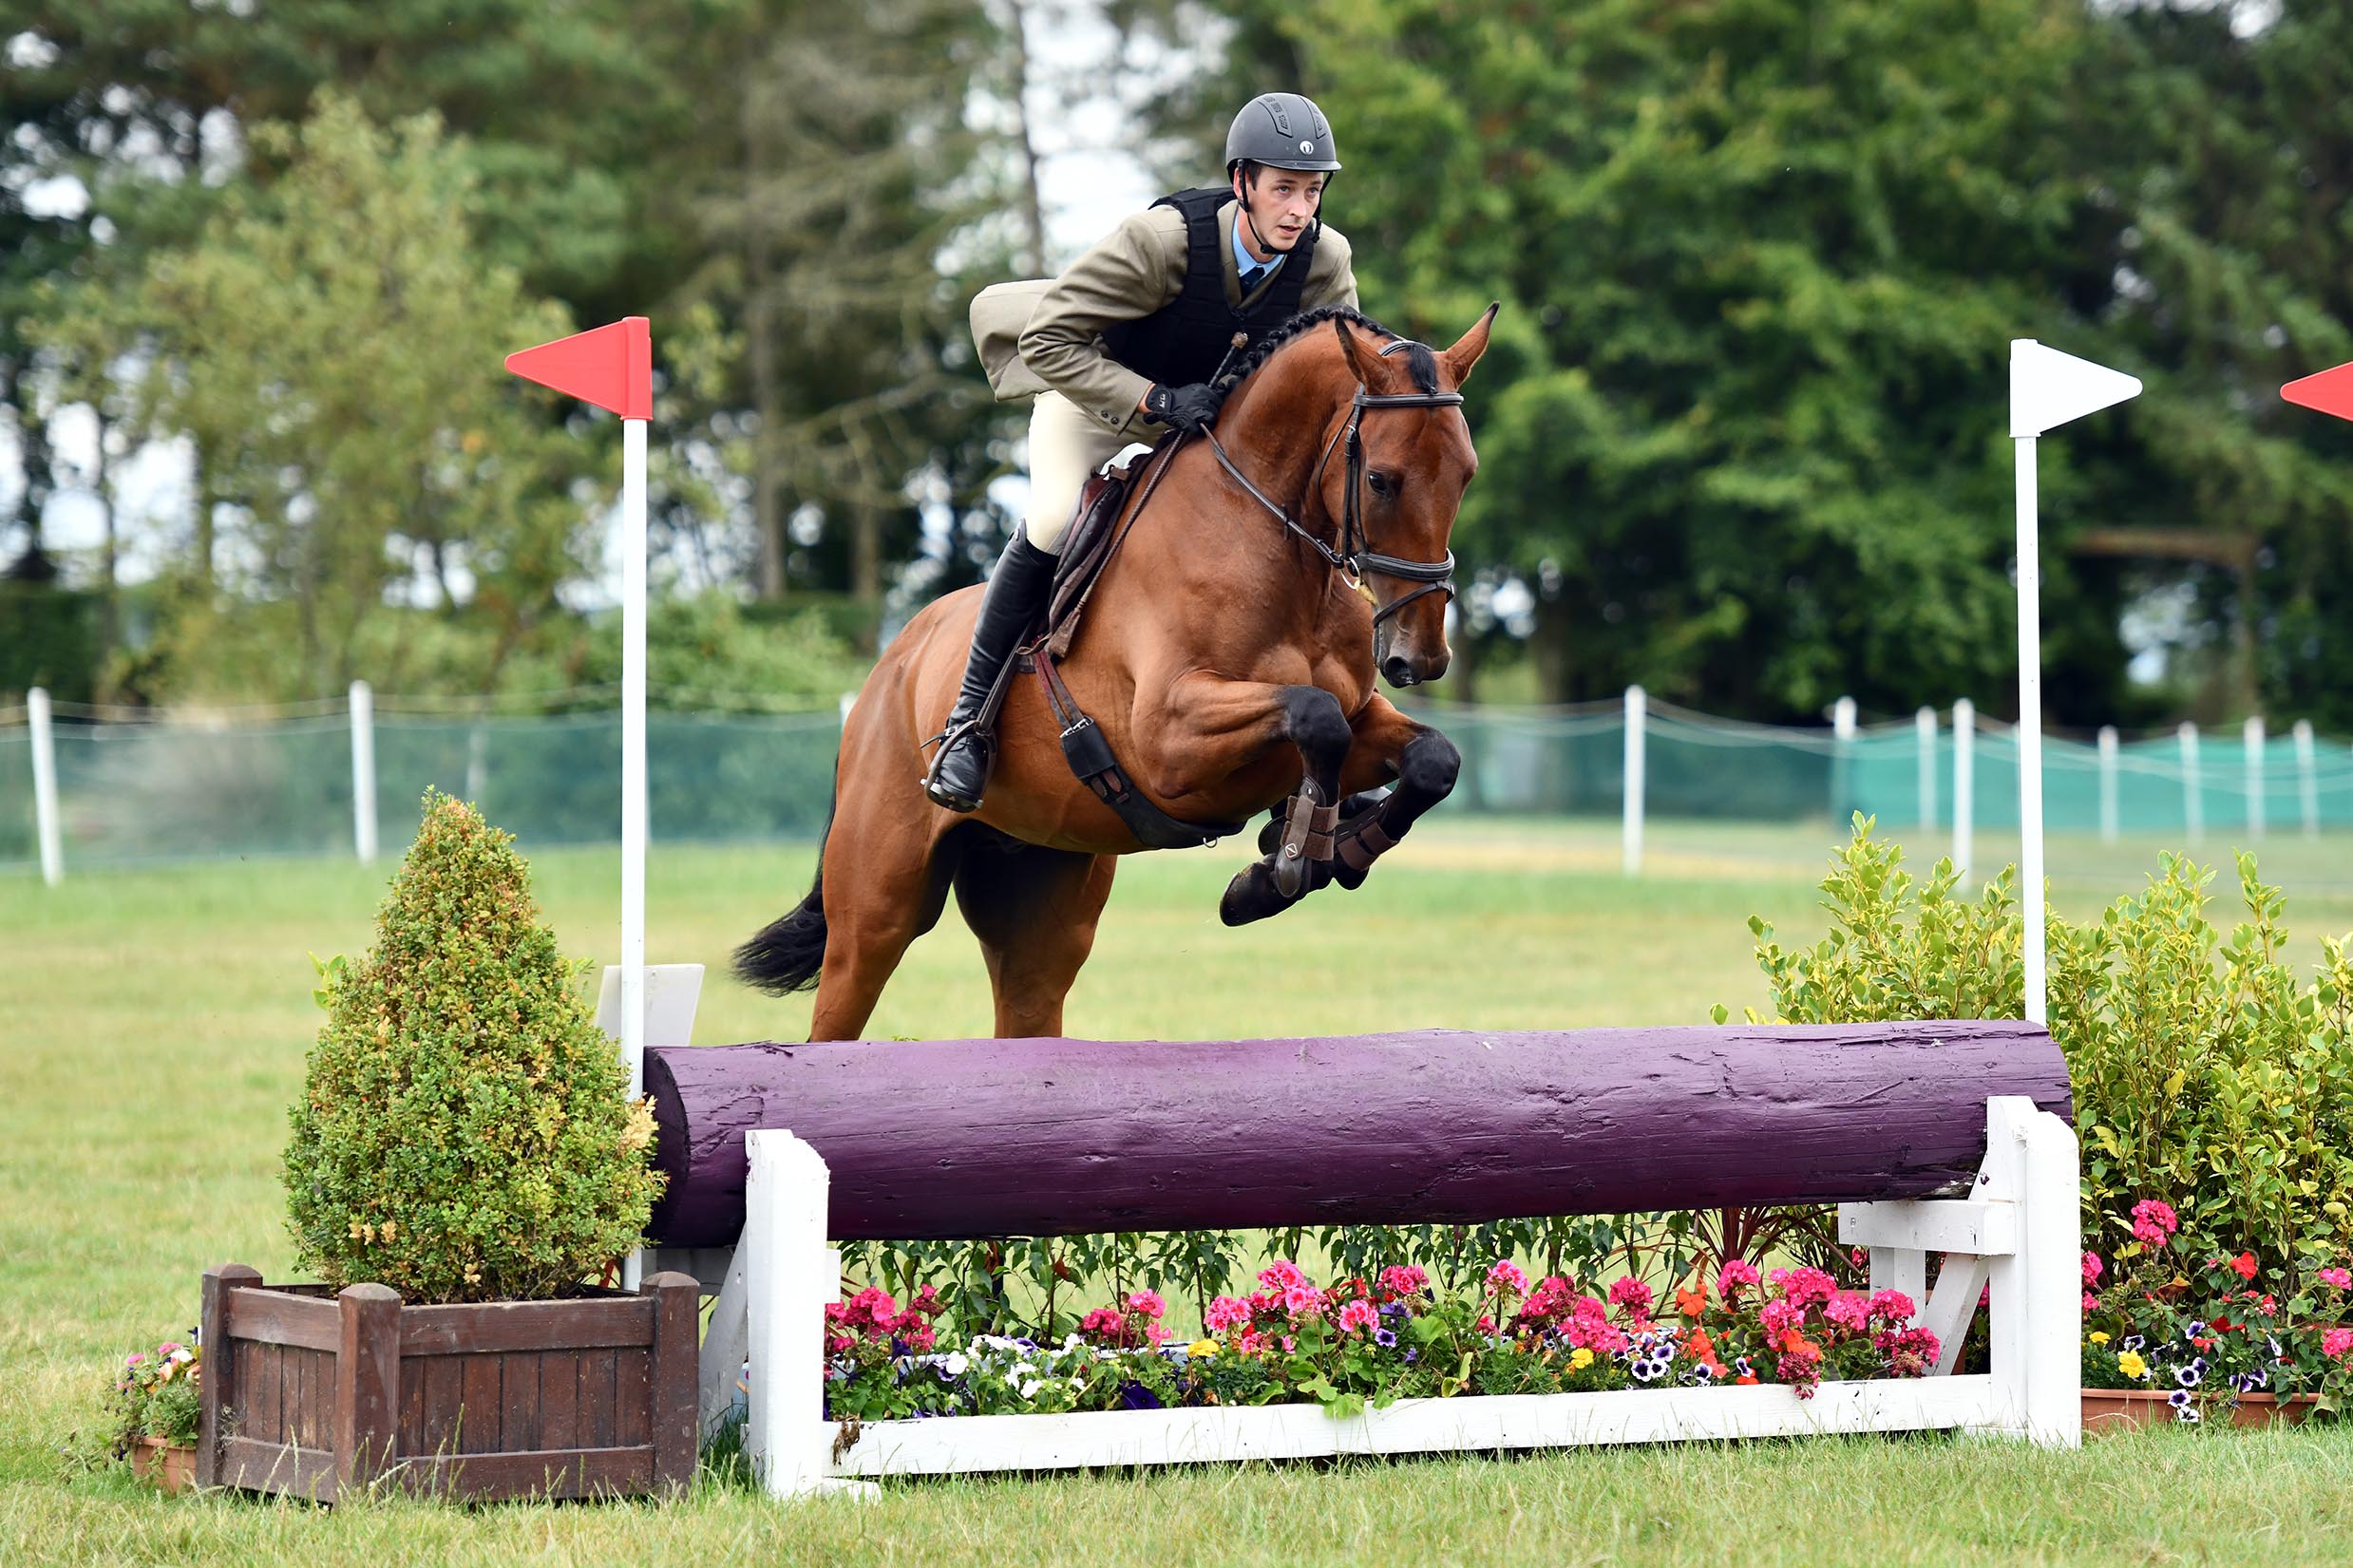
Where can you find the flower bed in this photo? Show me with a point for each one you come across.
(2202, 1332)
(1368, 1343)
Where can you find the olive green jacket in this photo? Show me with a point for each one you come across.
(1048, 334)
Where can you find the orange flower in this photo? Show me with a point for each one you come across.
(1692, 1303)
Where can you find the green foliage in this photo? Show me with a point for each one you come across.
(463, 1134)
(2206, 1074)
(47, 638)
(321, 340)
(157, 1394)
(1895, 949)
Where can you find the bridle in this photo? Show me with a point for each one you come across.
(1354, 558)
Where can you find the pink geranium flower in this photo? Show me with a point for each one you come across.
(1505, 1276)
(2091, 1268)
(1226, 1313)
(1403, 1279)
(1848, 1310)
(1630, 1294)
(2336, 1343)
(2336, 1279)
(1735, 1275)
(2153, 1221)
(1892, 1307)
(1302, 1301)
(1805, 1287)
(1280, 1275)
(1147, 1302)
(1358, 1314)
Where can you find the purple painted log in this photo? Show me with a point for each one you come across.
(977, 1138)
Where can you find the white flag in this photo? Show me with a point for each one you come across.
(2048, 388)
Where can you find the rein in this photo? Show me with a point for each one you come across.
(1354, 558)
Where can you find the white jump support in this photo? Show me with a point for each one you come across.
(2015, 1230)
(363, 773)
(1638, 710)
(45, 787)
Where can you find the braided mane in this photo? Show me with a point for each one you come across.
(1418, 358)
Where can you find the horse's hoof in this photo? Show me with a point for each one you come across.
(1251, 895)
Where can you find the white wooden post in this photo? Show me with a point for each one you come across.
(2036, 1299)
(2192, 803)
(789, 1275)
(2307, 779)
(1636, 708)
(1965, 783)
(364, 772)
(2251, 747)
(2107, 783)
(45, 787)
(1842, 758)
(1924, 732)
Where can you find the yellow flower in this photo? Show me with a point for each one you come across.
(1579, 1359)
(2098, 1338)
(1201, 1347)
(2132, 1365)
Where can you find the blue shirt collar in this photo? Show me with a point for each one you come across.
(1243, 260)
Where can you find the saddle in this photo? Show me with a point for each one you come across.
(1104, 519)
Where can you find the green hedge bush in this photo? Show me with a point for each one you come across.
(2207, 1074)
(464, 1133)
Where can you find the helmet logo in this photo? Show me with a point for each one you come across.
(1307, 146)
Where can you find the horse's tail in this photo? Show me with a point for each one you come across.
(785, 955)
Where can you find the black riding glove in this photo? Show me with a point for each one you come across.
(1193, 408)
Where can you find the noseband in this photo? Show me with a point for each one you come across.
(1354, 558)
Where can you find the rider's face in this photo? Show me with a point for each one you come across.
(1281, 202)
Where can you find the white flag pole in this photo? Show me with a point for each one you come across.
(2047, 388)
(633, 774)
(2030, 726)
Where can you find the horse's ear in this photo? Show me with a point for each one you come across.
(1356, 366)
(1470, 347)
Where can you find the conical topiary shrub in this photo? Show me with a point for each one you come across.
(464, 1133)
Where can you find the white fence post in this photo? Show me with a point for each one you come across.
(2250, 742)
(1636, 707)
(2107, 783)
(789, 1275)
(1924, 731)
(45, 787)
(2193, 804)
(1965, 783)
(364, 772)
(2036, 1315)
(1842, 760)
(2307, 779)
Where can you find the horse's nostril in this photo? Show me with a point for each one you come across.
(1399, 669)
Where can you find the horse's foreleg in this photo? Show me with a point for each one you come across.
(1389, 745)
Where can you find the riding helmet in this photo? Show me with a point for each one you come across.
(1282, 130)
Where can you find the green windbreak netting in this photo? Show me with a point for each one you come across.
(183, 789)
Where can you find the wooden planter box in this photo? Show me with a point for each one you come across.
(2120, 1409)
(308, 1391)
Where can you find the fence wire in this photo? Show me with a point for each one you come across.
(282, 784)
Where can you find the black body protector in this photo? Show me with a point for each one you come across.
(1191, 338)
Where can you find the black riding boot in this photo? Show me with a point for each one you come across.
(1009, 607)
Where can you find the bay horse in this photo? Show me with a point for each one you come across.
(1229, 655)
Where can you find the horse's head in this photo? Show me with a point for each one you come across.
(1416, 461)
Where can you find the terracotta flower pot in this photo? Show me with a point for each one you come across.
(2118, 1410)
(170, 1465)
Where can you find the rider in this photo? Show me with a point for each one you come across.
(1126, 343)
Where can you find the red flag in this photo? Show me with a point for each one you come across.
(611, 366)
(2331, 391)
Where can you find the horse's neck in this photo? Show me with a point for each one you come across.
(1277, 424)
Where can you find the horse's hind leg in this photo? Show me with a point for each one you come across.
(886, 880)
(1035, 911)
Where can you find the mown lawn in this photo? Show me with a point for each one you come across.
(156, 1025)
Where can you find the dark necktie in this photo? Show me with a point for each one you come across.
(1252, 279)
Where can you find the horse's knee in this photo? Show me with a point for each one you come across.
(1315, 721)
(1428, 765)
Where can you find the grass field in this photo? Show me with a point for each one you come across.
(156, 1025)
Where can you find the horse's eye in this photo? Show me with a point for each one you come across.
(1382, 484)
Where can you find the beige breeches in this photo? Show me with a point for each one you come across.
(1065, 447)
